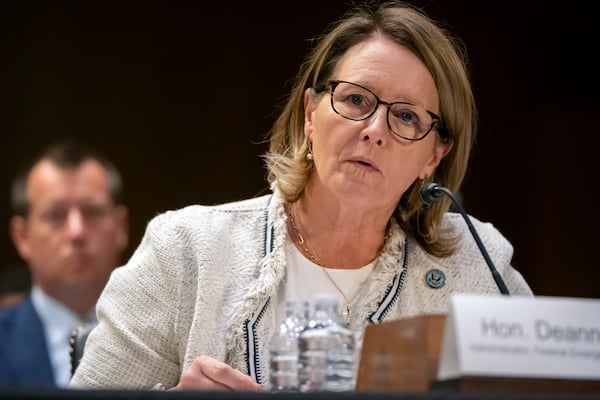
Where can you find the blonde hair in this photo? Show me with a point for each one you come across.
(445, 58)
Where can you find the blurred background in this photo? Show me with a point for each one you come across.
(181, 95)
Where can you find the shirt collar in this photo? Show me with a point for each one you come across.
(55, 316)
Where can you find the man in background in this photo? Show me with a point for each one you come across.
(69, 225)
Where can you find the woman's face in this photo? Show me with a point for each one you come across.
(362, 162)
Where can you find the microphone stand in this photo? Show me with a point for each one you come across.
(434, 192)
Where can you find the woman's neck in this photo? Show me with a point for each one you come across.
(337, 237)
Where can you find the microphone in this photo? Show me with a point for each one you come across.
(431, 193)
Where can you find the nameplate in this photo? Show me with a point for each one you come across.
(521, 337)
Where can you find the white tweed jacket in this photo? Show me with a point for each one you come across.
(204, 281)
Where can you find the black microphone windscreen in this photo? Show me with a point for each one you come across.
(431, 193)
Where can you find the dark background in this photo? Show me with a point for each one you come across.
(180, 94)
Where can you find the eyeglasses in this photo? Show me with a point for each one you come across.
(357, 103)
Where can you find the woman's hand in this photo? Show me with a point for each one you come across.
(206, 373)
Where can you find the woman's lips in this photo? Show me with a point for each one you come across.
(365, 162)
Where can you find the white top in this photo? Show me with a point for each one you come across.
(305, 279)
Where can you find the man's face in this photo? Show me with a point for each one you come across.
(74, 235)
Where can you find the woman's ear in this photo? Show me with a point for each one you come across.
(309, 105)
(440, 150)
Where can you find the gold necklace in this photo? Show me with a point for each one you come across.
(315, 259)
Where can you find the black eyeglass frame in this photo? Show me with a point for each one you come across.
(436, 118)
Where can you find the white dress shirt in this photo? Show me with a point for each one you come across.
(58, 322)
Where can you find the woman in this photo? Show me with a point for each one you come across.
(381, 105)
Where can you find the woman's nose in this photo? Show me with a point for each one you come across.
(376, 128)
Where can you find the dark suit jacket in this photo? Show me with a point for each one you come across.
(24, 359)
